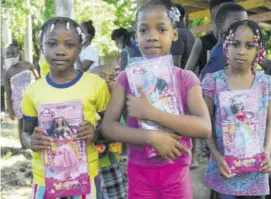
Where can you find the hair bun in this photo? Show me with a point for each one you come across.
(90, 22)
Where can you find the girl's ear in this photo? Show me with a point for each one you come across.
(175, 34)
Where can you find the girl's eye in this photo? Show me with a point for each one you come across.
(234, 44)
(251, 45)
(51, 44)
(70, 45)
(162, 29)
(142, 30)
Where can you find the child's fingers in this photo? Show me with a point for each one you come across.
(264, 162)
(265, 166)
(179, 146)
(39, 130)
(176, 152)
(173, 135)
(85, 128)
(43, 142)
(85, 123)
(40, 136)
(142, 93)
(224, 172)
(225, 167)
(39, 147)
(171, 155)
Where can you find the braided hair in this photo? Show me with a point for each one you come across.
(172, 11)
(50, 24)
(258, 40)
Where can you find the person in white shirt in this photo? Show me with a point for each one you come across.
(88, 58)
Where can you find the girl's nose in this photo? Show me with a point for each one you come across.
(152, 36)
(60, 51)
(242, 50)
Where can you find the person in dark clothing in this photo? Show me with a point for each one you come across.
(182, 48)
(202, 46)
(226, 15)
(127, 45)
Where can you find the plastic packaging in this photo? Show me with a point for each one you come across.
(157, 79)
(243, 149)
(65, 163)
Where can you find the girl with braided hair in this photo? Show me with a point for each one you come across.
(61, 42)
(243, 49)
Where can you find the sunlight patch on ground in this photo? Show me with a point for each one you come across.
(11, 161)
(21, 193)
(6, 142)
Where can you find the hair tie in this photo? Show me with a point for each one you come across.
(174, 14)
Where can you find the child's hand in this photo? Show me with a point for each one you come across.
(38, 141)
(139, 108)
(223, 167)
(167, 144)
(266, 164)
(86, 132)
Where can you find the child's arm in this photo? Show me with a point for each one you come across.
(165, 144)
(194, 56)
(266, 166)
(8, 96)
(197, 124)
(33, 137)
(221, 163)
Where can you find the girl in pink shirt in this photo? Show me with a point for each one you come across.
(167, 175)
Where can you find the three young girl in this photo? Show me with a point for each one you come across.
(168, 175)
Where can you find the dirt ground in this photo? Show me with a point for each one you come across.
(16, 173)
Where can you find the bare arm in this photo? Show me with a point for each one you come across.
(197, 124)
(83, 66)
(267, 141)
(194, 56)
(28, 129)
(33, 137)
(111, 127)
(212, 140)
(8, 95)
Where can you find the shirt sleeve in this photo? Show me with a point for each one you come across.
(103, 96)
(208, 85)
(122, 80)
(28, 107)
(89, 53)
(191, 80)
(269, 88)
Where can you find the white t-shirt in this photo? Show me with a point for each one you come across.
(90, 53)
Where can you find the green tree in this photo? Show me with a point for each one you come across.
(103, 16)
(125, 13)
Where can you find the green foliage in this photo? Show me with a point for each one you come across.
(103, 16)
(49, 9)
(125, 13)
(267, 39)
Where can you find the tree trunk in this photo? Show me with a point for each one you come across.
(64, 8)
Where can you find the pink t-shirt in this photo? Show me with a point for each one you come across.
(186, 80)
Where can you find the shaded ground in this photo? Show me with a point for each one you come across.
(16, 173)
